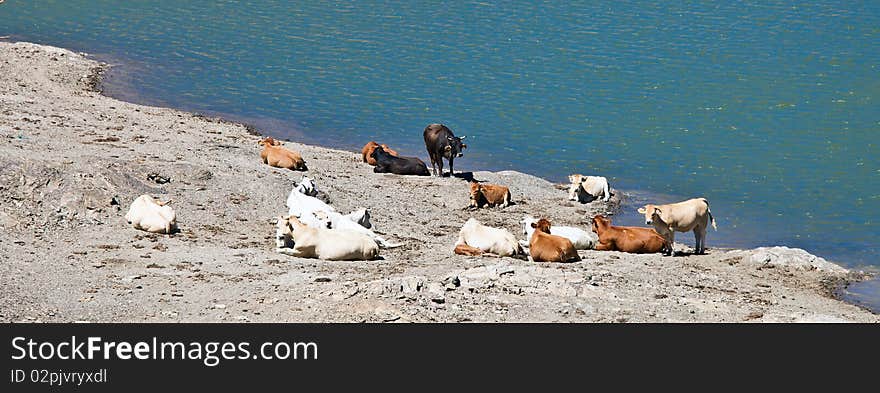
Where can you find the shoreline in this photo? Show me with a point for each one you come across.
(224, 253)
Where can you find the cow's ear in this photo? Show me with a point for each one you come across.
(642, 210)
(463, 146)
(448, 148)
(657, 211)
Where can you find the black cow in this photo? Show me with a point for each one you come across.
(442, 143)
(386, 163)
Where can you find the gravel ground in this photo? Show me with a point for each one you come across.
(72, 160)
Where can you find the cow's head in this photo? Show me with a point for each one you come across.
(475, 191)
(377, 151)
(543, 225)
(454, 146)
(307, 186)
(573, 191)
(599, 221)
(651, 212)
(269, 141)
(282, 228)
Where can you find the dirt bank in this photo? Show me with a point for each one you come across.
(71, 160)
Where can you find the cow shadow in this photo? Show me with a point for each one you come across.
(466, 176)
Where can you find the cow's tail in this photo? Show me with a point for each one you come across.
(711, 217)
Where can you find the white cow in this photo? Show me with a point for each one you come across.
(581, 239)
(690, 215)
(487, 239)
(301, 200)
(302, 203)
(587, 188)
(327, 244)
(151, 215)
(333, 220)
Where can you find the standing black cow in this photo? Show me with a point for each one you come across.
(386, 163)
(441, 142)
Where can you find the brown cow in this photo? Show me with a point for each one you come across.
(367, 152)
(544, 247)
(279, 157)
(489, 195)
(634, 240)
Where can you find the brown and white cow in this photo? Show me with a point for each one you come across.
(367, 152)
(588, 188)
(690, 215)
(277, 156)
(544, 247)
(489, 195)
(635, 240)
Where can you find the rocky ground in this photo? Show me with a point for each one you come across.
(71, 160)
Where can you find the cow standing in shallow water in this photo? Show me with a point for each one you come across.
(442, 143)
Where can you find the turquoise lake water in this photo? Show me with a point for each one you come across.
(771, 110)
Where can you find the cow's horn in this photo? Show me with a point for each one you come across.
(462, 137)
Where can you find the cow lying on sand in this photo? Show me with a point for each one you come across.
(148, 214)
(442, 143)
(302, 204)
(367, 152)
(588, 188)
(279, 157)
(635, 240)
(580, 239)
(320, 243)
(544, 247)
(475, 239)
(489, 195)
(333, 220)
(690, 215)
(386, 163)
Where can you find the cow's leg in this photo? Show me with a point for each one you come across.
(434, 160)
(671, 238)
(439, 165)
(700, 235)
(451, 171)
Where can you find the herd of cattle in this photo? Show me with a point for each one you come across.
(313, 228)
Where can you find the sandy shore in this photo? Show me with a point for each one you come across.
(72, 160)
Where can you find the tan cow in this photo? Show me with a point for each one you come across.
(489, 195)
(486, 239)
(277, 156)
(588, 188)
(690, 215)
(327, 244)
(544, 247)
(367, 152)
